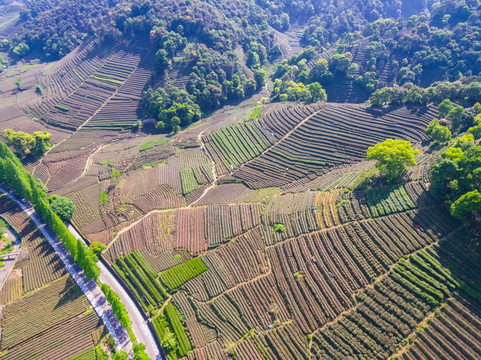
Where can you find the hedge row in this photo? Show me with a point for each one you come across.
(179, 274)
(14, 175)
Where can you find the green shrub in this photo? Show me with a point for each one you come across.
(62, 107)
(279, 228)
(104, 198)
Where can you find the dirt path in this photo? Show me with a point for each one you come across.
(214, 174)
(88, 161)
(86, 168)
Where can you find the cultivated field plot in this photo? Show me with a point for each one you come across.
(234, 145)
(276, 238)
(194, 230)
(52, 321)
(270, 238)
(334, 135)
(39, 263)
(351, 273)
(45, 315)
(94, 92)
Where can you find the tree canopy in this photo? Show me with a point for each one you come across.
(393, 157)
(63, 207)
(457, 178)
(23, 144)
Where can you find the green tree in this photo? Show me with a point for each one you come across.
(464, 142)
(384, 96)
(320, 72)
(63, 207)
(162, 60)
(139, 351)
(20, 50)
(24, 143)
(466, 204)
(169, 342)
(441, 134)
(19, 140)
(253, 61)
(393, 157)
(121, 355)
(477, 120)
(339, 63)
(445, 107)
(260, 77)
(431, 126)
(160, 126)
(456, 116)
(42, 142)
(317, 92)
(97, 248)
(444, 171)
(475, 131)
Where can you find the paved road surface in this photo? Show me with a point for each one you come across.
(9, 260)
(139, 324)
(90, 288)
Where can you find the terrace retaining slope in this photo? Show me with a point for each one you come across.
(92, 291)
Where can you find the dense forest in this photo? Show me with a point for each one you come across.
(223, 48)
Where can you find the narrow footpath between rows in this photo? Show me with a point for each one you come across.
(90, 288)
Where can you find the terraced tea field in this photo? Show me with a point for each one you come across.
(45, 315)
(264, 237)
(323, 262)
(267, 238)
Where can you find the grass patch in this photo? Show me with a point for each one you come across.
(62, 107)
(27, 67)
(104, 198)
(256, 113)
(115, 173)
(7, 249)
(154, 142)
(3, 227)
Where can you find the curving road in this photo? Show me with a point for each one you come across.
(90, 288)
(139, 323)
